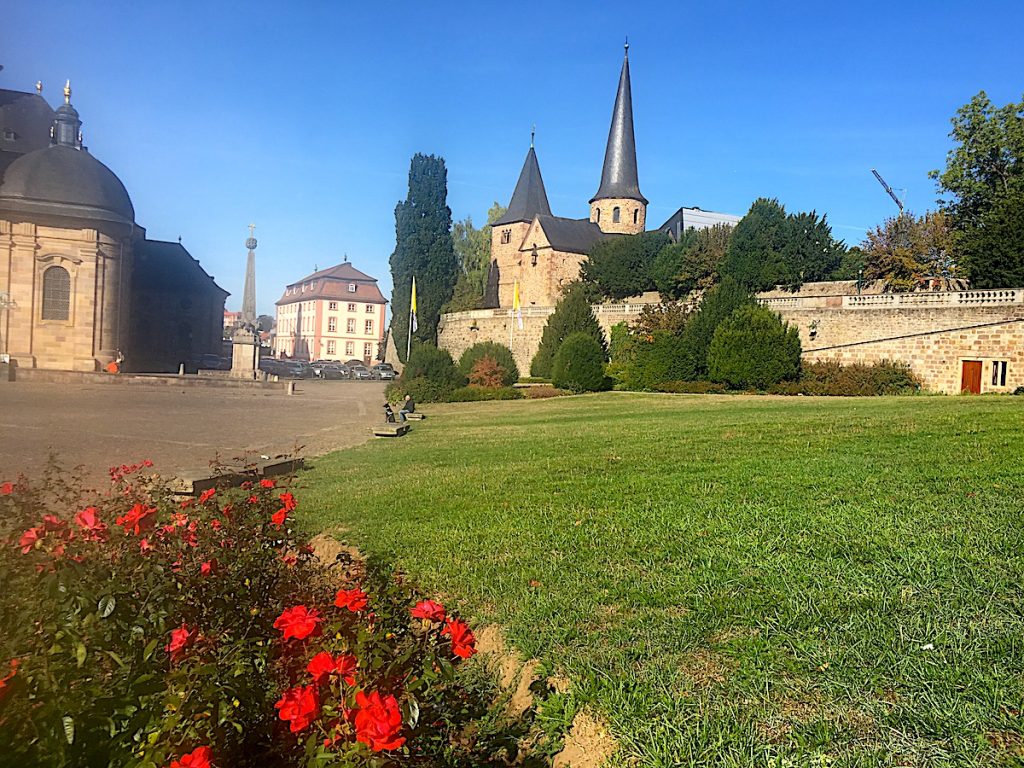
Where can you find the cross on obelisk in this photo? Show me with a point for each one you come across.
(249, 292)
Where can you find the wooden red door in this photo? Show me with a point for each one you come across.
(971, 379)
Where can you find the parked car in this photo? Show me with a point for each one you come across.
(270, 365)
(334, 371)
(384, 372)
(360, 372)
(318, 366)
(295, 369)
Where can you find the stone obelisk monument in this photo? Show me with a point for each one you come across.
(245, 349)
(249, 292)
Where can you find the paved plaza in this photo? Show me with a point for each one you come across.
(100, 425)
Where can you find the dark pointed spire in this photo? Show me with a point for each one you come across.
(530, 198)
(619, 177)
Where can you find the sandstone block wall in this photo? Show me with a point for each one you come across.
(933, 332)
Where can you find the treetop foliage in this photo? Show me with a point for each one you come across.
(620, 267)
(770, 247)
(473, 250)
(904, 250)
(753, 347)
(987, 161)
(693, 263)
(424, 250)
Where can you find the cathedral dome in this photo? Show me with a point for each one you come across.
(65, 181)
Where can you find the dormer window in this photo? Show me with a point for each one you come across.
(351, 287)
(9, 135)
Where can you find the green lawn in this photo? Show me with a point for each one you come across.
(728, 580)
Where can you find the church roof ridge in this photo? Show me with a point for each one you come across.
(529, 198)
(619, 177)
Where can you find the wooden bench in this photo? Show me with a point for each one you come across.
(390, 429)
(415, 416)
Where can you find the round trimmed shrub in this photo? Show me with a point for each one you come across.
(753, 347)
(501, 354)
(430, 376)
(579, 364)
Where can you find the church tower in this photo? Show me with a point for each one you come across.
(618, 205)
(529, 200)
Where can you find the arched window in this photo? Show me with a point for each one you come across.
(615, 215)
(56, 294)
(636, 215)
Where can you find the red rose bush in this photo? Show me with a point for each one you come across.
(142, 630)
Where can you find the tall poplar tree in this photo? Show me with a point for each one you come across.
(424, 250)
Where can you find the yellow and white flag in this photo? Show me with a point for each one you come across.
(412, 308)
(517, 307)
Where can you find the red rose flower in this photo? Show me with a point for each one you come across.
(14, 664)
(181, 638)
(197, 758)
(323, 664)
(289, 559)
(298, 622)
(429, 610)
(89, 522)
(145, 547)
(378, 721)
(216, 524)
(53, 523)
(29, 538)
(206, 495)
(288, 500)
(265, 483)
(354, 599)
(139, 518)
(208, 568)
(463, 640)
(6, 488)
(253, 499)
(300, 706)
(278, 518)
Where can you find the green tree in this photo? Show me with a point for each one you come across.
(993, 253)
(693, 263)
(501, 354)
(657, 358)
(769, 248)
(755, 258)
(424, 250)
(718, 304)
(753, 347)
(579, 364)
(572, 314)
(430, 375)
(986, 163)
(620, 267)
(851, 265)
(904, 250)
(473, 250)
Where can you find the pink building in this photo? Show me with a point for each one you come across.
(334, 314)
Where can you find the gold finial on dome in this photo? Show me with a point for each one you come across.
(67, 92)
(39, 87)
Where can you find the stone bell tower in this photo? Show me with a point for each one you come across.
(618, 205)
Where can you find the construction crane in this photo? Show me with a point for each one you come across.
(888, 189)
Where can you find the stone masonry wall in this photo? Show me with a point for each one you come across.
(933, 332)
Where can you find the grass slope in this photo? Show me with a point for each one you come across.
(728, 580)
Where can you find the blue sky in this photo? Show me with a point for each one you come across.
(302, 117)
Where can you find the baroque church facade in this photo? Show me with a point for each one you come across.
(80, 283)
(541, 252)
